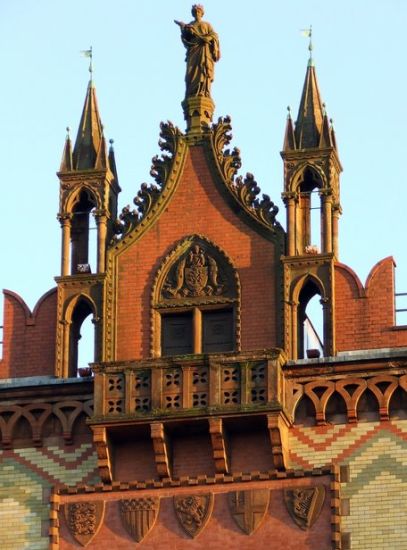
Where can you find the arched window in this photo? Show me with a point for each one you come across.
(195, 301)
(82, 337)
(83, 234)
(310, 321)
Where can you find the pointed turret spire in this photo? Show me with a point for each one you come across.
(88, 153)
(66, 161)
(311, 112)
(289, 136)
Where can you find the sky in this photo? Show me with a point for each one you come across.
(360, 51)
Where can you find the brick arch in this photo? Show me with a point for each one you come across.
(300, 283)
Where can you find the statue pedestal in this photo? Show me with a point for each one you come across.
(198, 111)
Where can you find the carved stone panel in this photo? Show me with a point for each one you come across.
(84, 520)
(139, 515)
(304, 504)
(195, 274)
(248, 508)
(193, 512)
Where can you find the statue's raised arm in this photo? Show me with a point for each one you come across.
(202, 51)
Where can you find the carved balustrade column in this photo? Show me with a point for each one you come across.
(101, 222)
(326, 200)
(290, 199)
(65, 221)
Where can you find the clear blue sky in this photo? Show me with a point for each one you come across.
(360, 49)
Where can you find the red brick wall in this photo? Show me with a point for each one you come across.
(364, 316)
(196, 208)
(29, 338)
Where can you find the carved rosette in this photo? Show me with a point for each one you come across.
(139, 515)
(304, 504)
(248, 508)
(84, 520)
(193, 512)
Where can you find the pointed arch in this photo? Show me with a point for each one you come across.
(300, 172)
(196, 289)
(76, 311)
(309, 326)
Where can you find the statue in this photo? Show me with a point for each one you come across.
(202, 45)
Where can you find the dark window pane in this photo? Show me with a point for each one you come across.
(176, 334)
(217, 334)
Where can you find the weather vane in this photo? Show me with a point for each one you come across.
(89, 54)
(308, 34)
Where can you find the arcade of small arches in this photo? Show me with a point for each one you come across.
(320, 402)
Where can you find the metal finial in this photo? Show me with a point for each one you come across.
(323, 109)
(288, 111)
(308, 34)
(67, 132)
(111, 141)
(89, 54)
(331, 121)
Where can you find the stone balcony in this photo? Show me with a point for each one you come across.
(184, 386)
(209, 393)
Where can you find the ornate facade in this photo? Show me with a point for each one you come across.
(206, 418)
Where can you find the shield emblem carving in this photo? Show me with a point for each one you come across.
(139, 516)
(84, 519)
(304, 504)
(248, 508)
(196, 279)
(193, 512)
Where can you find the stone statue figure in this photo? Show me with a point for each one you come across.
(202, 45)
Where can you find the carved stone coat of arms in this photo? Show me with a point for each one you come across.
(193, 512)
(84, 519)
(139, 516)
(248, 508)
(304, 504)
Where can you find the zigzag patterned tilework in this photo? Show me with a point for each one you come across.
(25, 477)
(376, 453)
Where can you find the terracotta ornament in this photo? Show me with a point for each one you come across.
(84, 520)
(139, 515)
(193, 512)
(248, 508)
(304, 504)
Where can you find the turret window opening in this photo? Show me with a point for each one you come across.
(310, 212)
(82, 338)
(83, 235)
(310, 322)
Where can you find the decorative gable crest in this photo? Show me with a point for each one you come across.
(196, 271)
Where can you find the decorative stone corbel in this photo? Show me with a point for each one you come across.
(278, 426)
(218, 445)
(100, 440)
(160, 446)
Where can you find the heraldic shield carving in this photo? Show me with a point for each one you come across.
(193, 512)
(304, 504)
(248, 508)
(84, 519)
(139, 516)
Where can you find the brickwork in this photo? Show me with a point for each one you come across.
(376, 454)
(364, 316)
(197, 207)
(29, 337)
(26, 478)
